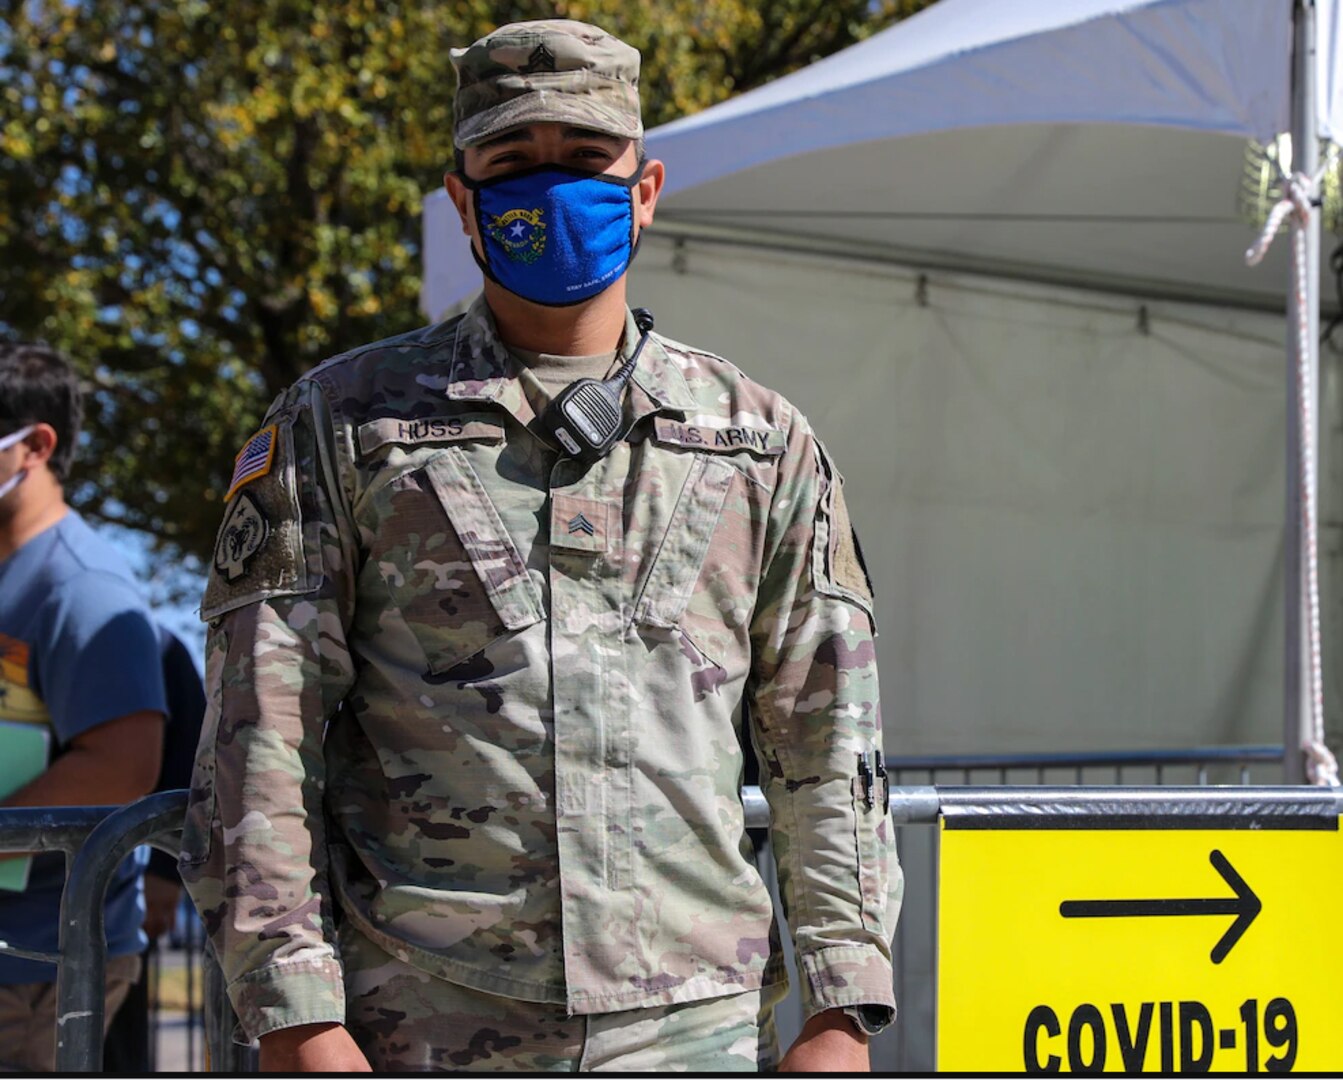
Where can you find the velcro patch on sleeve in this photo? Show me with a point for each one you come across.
(767, 442)
(404, 431)
(254, 460)
(846, 560)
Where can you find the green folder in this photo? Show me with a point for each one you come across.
(23, 756)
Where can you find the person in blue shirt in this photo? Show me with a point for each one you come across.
(79, 656)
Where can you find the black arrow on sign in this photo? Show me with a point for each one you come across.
(1244, 905)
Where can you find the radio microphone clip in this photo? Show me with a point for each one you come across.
(586, 418)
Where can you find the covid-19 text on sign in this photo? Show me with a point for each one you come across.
(1160, 1036)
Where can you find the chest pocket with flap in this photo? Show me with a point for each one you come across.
(676, 569)
(703, 578)
(451, 568)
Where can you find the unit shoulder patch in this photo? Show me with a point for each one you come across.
(243, 534)
(765, 442)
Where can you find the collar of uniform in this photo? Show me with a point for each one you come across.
(658, 382)
(482, 367)
(484, 370)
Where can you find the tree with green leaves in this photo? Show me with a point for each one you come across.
(200, 201)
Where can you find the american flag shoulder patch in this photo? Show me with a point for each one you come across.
(254, 460)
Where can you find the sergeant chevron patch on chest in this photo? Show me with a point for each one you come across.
(767, 442)
(579, 525)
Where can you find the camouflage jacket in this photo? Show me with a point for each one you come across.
(487, 704)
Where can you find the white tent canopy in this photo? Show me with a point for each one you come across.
(1205, 65)
(996, 254)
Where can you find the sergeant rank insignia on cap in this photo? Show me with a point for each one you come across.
(541, 59)
(253, 461)
(242, 535)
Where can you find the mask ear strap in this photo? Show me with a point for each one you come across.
(473, 186)
(484, 266)
(482, 257)
(635, 235)
(632, 181)
(17, 437)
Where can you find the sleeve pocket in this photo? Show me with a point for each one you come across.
(676, 569)
(872, 848)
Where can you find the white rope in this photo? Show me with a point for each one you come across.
(1298, 195)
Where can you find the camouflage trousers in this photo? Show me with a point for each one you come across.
(406, 1020)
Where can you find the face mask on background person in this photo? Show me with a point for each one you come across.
(12, 440)
(555, 235)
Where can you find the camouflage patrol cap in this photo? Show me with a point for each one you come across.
(547, 70)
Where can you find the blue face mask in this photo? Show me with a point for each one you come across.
(554, 235)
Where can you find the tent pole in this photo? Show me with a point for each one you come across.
(1305, 159)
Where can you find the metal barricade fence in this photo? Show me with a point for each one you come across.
(96, 839)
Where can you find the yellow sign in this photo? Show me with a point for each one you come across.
(1159, 950)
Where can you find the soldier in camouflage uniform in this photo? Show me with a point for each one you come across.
(468, 791)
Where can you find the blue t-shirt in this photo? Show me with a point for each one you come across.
(78, 648)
